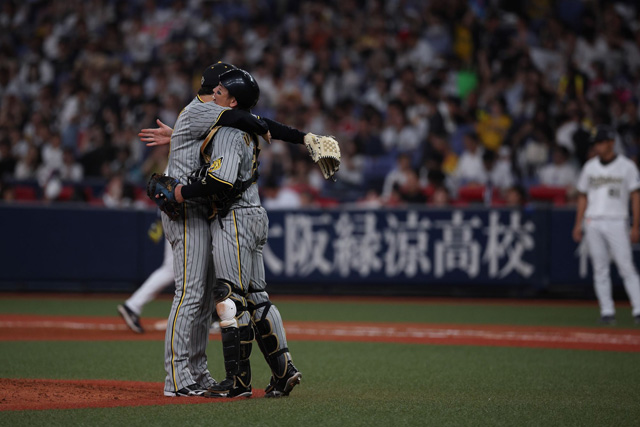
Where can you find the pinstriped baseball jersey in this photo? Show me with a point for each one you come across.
(237, 246)
(234, 157)
(194, 121)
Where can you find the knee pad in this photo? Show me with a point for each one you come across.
(226, 310)
(222, 290)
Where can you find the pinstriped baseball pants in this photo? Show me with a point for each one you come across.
(188, 324)
(237, 257)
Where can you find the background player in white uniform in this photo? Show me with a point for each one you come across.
(188, 323)
(606, 184)
(161, 278)
(239, 233)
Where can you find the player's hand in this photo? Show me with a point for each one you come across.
(156, 136)
(635, 235)
(577, 233)
(267, 137)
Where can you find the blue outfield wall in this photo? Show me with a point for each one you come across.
(73, 247)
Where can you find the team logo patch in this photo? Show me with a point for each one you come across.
(215, 165)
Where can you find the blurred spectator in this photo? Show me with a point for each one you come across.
(411, 192)
(117, 193)
(27, 166)
(397, 176)
(570, 124)
(371, 200)
(470, 169)
(440, 197)
(6, 192)
(351, 171)
(493, 125)
(398, 135)
(560, 172)
(515, 196)
(275, 196)
(7, 161)
(497, 167)
(70, 170)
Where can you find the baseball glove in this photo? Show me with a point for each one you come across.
(161, 189)
(324, 151)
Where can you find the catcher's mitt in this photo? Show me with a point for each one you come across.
(164, 188)
(324, 151)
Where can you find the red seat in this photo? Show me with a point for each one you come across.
(25, 192)
(66, 193)
(543, 193)
(471, 194)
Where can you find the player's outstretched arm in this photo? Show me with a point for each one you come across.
(236, 119)
(156, 136)
(324, 150)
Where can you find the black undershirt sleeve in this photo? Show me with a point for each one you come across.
(243, 120)
(284, 132)
(199, 189)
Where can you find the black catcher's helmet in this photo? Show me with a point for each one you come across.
(242, 86)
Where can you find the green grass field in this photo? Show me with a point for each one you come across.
(360, 383)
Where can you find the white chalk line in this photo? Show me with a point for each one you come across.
(343, 331)
(160, 325)
(452, 333)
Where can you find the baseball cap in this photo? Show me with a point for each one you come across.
(602, 133)
(211, 74)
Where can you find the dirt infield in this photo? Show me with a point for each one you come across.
(34, 394)
(39, 394)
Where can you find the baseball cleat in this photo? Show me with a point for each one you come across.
(188, 391)
(228, 388)
(283, 386)
(130, 318)
(607, 320)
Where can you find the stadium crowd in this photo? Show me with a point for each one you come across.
(434, 102)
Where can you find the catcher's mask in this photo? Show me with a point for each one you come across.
(242, 86)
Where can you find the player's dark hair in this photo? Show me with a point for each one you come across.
(206, 90)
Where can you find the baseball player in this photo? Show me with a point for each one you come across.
(161, 278)
(188, 323)
(606, 184)
(239, 233)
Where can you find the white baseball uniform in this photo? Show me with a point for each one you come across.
(160, 279)
(606, 226)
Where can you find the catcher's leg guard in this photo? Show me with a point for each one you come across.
(236, 349)
(272, 342)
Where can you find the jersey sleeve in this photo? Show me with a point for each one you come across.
(583, 181)
(284, 132)
(242, 120)
(633, 177)
(203, 117)
(225, 158)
